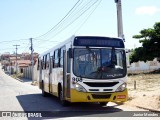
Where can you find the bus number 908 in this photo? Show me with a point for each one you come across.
(76, 79)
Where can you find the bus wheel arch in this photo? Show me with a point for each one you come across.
(60, 95)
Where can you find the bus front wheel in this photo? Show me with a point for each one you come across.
(63, 102)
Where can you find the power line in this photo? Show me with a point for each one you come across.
(80, 12)
(67, 20)
(71, 14)
(74, 19)
(88, 17)
(13, 40)
(74, 7)
(10, 48)
(60, 20)
(26, 47)
(40, 40)
(85, 18)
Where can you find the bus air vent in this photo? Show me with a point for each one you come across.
(101, 84)
(96, 96)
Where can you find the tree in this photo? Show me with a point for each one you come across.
(150, 39)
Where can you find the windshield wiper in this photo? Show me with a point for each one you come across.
(113, 58)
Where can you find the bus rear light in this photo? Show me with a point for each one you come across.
(121, 96)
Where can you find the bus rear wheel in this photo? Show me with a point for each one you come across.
(44, 94)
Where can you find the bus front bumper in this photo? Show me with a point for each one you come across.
(98, 97)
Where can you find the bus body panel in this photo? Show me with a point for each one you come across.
(57, 76)
(87, 97)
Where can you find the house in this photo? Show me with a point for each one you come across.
(9, 61)
(21, 64)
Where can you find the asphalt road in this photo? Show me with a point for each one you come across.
(21, 96)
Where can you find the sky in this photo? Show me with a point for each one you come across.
(21, 20)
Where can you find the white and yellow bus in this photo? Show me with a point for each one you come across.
(74, 70)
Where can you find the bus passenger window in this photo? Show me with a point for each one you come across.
(47, 61)
(68, 62)
(43, 63)
(53, 61)
(56, 59)
(61, 56)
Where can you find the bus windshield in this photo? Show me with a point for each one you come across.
(99, 63)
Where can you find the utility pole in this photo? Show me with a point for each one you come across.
(16, 57)
(32, 60)
(119, 19)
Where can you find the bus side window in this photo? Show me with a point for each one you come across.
(43, 63)
(68, 62)
(61, 56)
(47, 61)
(56, 59)
(53, 60)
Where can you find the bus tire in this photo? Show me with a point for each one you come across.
(44, 94)
(63, 102)
(103, 103)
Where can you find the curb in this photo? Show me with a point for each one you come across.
(19, 79)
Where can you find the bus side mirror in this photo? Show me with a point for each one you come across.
(70, 53)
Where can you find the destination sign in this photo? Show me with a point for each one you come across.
(98, 42)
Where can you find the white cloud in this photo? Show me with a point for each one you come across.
(147, 10)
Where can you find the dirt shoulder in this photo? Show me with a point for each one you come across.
(147, 91)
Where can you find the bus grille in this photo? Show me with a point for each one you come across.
(93, 89)
(95, 96)
(107, 89)
(101, 84)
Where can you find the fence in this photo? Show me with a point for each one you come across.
(28, 73)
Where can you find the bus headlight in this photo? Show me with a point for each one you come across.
(121, 88)
(80, 88)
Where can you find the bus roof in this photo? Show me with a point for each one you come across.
(96, 41)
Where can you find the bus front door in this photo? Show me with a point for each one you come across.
(66, 75)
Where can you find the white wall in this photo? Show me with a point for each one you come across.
(144, 67)
(27, 73)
